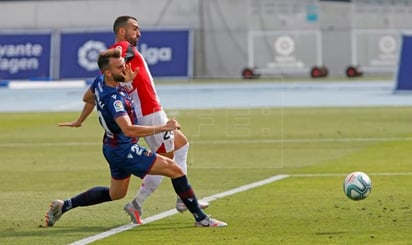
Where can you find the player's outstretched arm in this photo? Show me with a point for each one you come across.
(88, 107)
(141, 131)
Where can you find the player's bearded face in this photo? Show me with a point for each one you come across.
(118, 77)
(132, 32)
(132, 39)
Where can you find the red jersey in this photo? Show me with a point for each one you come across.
(142, 88)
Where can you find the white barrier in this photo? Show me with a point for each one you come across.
(46, 84)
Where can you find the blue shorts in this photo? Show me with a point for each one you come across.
(131, 159)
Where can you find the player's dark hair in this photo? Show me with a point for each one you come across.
(104, 57)
(120, 22)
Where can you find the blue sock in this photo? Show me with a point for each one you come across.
(93, 196)
(186, 193)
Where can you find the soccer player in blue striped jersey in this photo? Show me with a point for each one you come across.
(120, 148)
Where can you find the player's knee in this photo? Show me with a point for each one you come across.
(179, 170)
(176, 170)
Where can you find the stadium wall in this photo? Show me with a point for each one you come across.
(219, 27)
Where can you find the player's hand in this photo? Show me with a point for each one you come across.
(172, 124)
(74, 124)
(129, 74)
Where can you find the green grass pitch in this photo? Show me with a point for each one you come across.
(229, 148)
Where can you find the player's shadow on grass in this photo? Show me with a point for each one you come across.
(53, 231)
(163, 226)
(93, 230)
(330, 233)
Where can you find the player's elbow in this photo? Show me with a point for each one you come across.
(89, 100)
(129, 133)
(88, 97)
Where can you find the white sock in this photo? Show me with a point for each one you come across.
(148, 186)
(181, 157)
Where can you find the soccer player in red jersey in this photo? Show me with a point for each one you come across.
(172, 144)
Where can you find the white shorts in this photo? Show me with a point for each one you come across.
(161, 142)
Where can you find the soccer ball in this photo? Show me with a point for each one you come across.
(357, 186)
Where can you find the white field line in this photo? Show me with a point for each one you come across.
(171, 212)
(223, 142)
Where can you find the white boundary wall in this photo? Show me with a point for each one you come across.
(220, 26)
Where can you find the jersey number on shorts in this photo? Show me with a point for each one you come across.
(137, 149)
(166, 135)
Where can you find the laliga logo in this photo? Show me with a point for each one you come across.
(88, 54)
(154, 55)
(387, 44)
(284, 45)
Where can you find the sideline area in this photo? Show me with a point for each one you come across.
(216, 94)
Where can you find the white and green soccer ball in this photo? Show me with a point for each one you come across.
(357, 186)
